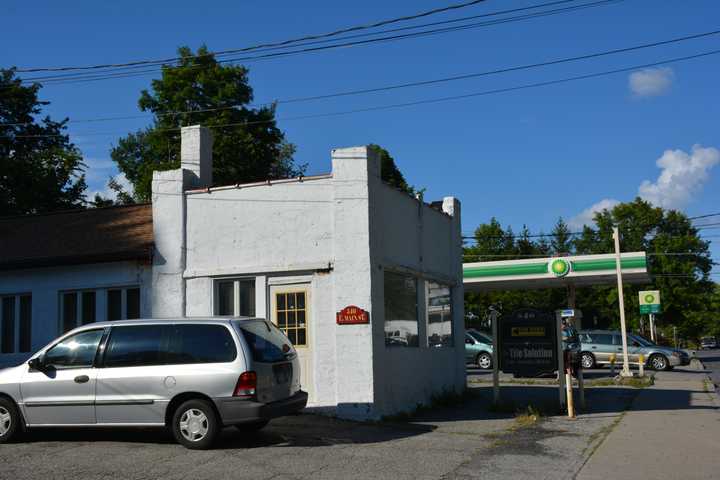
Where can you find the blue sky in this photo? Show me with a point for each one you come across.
(526, 157)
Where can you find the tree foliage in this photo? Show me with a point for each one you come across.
(248, 146)
(390, 172)
(40, 169)
(679, 262)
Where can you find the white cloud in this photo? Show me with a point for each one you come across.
(683, 176)
(651, 82)
(586, 216)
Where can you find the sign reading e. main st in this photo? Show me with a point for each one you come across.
(352, 315)
(527, 343)
(649, 302)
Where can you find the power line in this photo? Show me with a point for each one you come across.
(84, 77)
(284, 42)
(420, 102)
(704, 216)
(412, 84)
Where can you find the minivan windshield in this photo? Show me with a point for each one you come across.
(266, 342)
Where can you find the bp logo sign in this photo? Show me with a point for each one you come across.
(649, 302)
(559, 267)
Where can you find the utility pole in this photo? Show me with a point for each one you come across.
(495, 355)
(618, 268)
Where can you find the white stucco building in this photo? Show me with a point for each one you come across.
(298, 252)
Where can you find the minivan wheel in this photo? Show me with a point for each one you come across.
(9, 420)
(587, 360)
(659, 362)
(195, 424)
(252, 426)
(484, 361)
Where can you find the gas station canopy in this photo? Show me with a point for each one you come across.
(555, 272)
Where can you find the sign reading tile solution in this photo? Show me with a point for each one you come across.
(527, 343)
(352, 315)
(649, 302)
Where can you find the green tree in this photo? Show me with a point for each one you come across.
(40, 169)
(678, 260)
(390, 172)
(561, 239)
(248, 146)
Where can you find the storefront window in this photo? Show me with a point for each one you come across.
(439, 311)
(401, 310)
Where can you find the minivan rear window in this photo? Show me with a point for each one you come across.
(266, 342)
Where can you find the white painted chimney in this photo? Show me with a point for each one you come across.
(196, 154)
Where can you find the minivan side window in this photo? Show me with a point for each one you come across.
(76, 351)
(135, 346)
(147, 345)
(193, 343)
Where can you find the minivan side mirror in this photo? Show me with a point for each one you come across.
(468, 341)
(635, 343)
(36, 363)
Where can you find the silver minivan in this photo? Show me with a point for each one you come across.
(193, 376)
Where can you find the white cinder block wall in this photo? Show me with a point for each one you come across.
(338, 233)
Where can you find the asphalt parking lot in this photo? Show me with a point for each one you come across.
(471, 440)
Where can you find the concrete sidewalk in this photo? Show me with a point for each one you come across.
(671, 431)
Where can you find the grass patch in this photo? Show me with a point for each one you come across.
(527, 418)
(635, 382)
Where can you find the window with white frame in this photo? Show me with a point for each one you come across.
(439, 315)
(15, 323)
(235, 297)
(80, 307)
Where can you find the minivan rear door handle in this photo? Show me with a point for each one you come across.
(82, 379)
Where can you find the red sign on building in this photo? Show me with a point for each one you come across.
(352, 315)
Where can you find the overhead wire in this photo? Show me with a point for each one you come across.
(78, 78)
(275, 44)
(418, 102)
(436, 81)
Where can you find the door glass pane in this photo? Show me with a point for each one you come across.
(201, 344)
(133, 303)
(8, 325)
(226, 298)
(88, 307)
(69, 311)
(114, 304)
(135, 346)
(247, 298)
(25, 323)
(76, 351)
(291, 316)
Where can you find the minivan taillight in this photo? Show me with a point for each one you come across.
(246, 385)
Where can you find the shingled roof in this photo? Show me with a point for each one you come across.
(76, 237)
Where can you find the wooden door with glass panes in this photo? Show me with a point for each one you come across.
(290, 312)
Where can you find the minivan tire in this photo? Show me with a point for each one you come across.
(10, 420)
(195, 424)
(252, 426)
